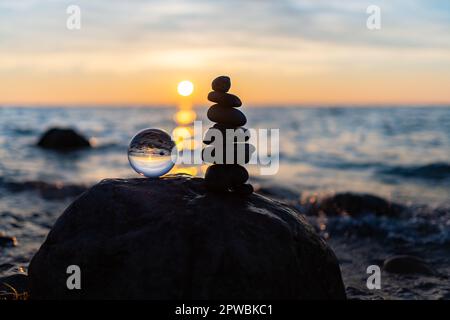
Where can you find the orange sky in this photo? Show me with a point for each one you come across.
(137, 53)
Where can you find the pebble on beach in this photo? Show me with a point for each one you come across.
(63, 139)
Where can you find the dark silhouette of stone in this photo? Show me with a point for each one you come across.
(225, 99)
(242, 153)
(241, 134)
(244, 189)
(170, 238)
(227, 116)
(223, 177)
(221, 84)
(219, 177)
(63, 139)
(404, 264)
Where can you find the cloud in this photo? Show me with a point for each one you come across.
(235, 23)
(284, 40)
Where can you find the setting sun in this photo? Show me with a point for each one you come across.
(185, 88)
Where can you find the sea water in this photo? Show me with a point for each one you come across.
(400, 154)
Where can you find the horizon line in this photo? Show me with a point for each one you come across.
(197, 106)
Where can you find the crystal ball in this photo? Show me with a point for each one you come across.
(152, 153)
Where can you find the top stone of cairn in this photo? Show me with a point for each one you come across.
(221, 84)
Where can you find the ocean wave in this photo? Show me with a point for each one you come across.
(23, 132)
(433, 171)
(413, 231)
(367, 216)
(112, 146)
(371, 217)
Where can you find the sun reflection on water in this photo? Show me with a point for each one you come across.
(183, 136)
(185, 117)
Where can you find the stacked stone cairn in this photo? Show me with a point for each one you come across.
(229, 153)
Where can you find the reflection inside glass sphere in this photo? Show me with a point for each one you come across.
(150, 153)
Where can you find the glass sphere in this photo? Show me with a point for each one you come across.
(150, 153)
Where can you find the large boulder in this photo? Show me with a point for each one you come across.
(63, 139)
(170, 238)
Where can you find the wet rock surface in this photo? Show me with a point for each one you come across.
(63, 139)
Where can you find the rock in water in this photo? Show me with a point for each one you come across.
(7, 241)
(404, 264)
(171, 239)
(63, 139)
(357, 204)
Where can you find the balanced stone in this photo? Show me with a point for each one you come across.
(224, 127)
(241, 153)
(226, 149)
(238, 134)
(221, 84)
(225, 99)
(227, 116)
(225, 176)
